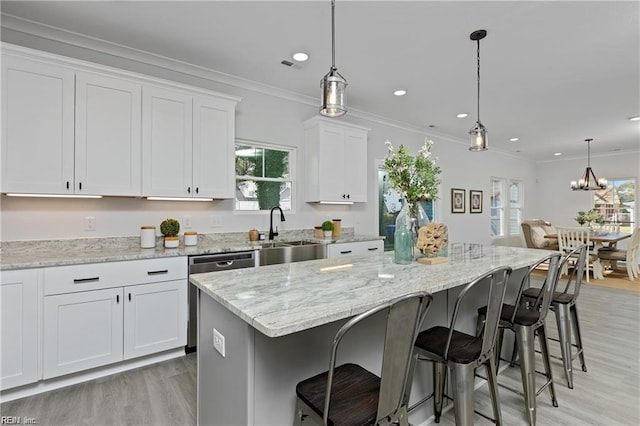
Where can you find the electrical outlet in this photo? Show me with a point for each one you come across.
(218, 342)
(186, 222)
(90, 223)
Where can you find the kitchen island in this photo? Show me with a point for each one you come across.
(277, 323)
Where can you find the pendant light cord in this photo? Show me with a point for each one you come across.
(589, 153)
(333, 35)
(478, 53)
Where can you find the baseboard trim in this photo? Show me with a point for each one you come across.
(84, 376)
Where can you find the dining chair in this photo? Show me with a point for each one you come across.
(352, 395)
(528, 321)
(463, 353)
(629, 256)
(564, 305)
(570, 238)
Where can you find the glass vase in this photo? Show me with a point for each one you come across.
(411, 217)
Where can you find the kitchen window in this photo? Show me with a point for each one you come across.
(264, 177)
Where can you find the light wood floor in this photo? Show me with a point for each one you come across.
(607, 395)
(160, 394)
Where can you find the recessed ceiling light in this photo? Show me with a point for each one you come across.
(400, 92)
(636, 118)
(300, 56)
(514, 139)
(462, 115)
(557, 154)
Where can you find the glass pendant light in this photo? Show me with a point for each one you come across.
(478, 132)
(333, 84)
(588, 181)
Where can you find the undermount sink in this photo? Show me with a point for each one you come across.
(276, 252)
(274, 244)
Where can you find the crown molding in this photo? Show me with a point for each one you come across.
(48, 32)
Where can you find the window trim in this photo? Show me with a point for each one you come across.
(292, 150)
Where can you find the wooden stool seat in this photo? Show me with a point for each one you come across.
(354, 397)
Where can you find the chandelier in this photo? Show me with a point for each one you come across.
(588, 182)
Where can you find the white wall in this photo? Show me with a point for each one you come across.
(275, 119)
(558, 203)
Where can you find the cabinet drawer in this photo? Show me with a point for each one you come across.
(95, 276)
(354, 249)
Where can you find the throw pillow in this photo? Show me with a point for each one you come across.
(537, 237)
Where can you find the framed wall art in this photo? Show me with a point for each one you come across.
(475, 201)
(457, 200)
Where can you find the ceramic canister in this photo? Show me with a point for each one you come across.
(190, 238)
(148, 236)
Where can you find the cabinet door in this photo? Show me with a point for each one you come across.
(355, 165)
(108, 139)
(37, 127)
(19, 339)
(167, 126)
(155, 317)
(82, 331)
(213, 148)
(331, 164)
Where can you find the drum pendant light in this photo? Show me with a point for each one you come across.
(588, 181)
(333, 84)
(478, 132)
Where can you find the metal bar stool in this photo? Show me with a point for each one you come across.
(527, 322)
(464, 353)
(356, 396)
(563, 304)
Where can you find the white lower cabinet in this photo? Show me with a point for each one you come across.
(355, 248)
(154, 318)
(82, 330)
(92, 317)
(19, 317)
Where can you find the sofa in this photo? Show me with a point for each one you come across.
(534, 231)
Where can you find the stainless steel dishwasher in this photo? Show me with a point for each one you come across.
(211, 263)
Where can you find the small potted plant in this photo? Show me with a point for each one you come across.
(327, 227)
(170, 228)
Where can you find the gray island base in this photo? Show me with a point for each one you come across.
(278, 323)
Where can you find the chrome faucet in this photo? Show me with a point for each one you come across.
(271, 232)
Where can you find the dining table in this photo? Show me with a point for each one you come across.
(611, 238)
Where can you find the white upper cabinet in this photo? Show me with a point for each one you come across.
(336, 161)
(187, 144)
(167, 143)
(37, 126)
(71, 127)
(107, 148)
(213, 147)
(68, 132)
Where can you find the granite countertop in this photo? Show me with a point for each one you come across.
(46, 253)
(282, 299)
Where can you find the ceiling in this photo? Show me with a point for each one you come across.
(553, 73)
